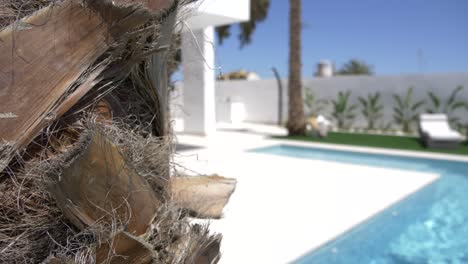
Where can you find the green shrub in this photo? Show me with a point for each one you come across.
(448, 106)
(371, 109)
(313, 106)
(343, 111)
(405, 113)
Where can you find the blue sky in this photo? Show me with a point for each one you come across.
(388, 34)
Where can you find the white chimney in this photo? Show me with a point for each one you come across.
(324, 69)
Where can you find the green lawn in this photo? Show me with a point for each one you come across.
(378, 141)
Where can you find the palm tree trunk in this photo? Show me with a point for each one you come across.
(296, 118)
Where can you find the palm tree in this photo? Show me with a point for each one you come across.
(296, 118)
(356, 67)
(343, 110)
(448, 107)
(371, 109)
(313, 105)
(406, 112)
(258, 13)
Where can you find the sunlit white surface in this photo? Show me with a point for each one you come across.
(284, 207)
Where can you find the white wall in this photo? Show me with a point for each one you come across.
(197, 68)
(261, 97)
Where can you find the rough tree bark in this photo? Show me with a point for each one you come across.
(100, 187)
(202, 196)
(40, 80)
(53, 62)
(296, 118)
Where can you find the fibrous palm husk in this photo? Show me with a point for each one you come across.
(57, 60)
(33, 226)
(100, 186)
(42, 79)
(123, 248)
(12, 11)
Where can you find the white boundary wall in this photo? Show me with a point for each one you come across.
(261, 97)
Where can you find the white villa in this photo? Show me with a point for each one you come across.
(198, 58)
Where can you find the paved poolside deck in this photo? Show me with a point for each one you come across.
(285, 207)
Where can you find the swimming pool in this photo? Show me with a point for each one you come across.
(429, 226)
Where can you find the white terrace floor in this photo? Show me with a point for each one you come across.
(284, 207)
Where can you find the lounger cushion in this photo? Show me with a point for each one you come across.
(436, 127)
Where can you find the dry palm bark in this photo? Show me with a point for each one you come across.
(124, 248)
(100, 187)
(37, 73)
(89, 195)
(121, 248)
(205, 252)
(49, 60)
(202, 196)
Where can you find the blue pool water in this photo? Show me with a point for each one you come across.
(430, 226)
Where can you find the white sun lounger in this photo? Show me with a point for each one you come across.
(436, 132)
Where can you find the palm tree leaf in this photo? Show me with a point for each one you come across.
(340, 96)
(376, 97)
(453, 95)
(397, 119)
(454, 120)
(434, 99)
(346, 99)
(398, 111)
(417, 105)
(397, 98)
(414, 117)
(362, 101)
(318, 110)
(347, 94)
(457, 105)
(352, 108)
(409, 93)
